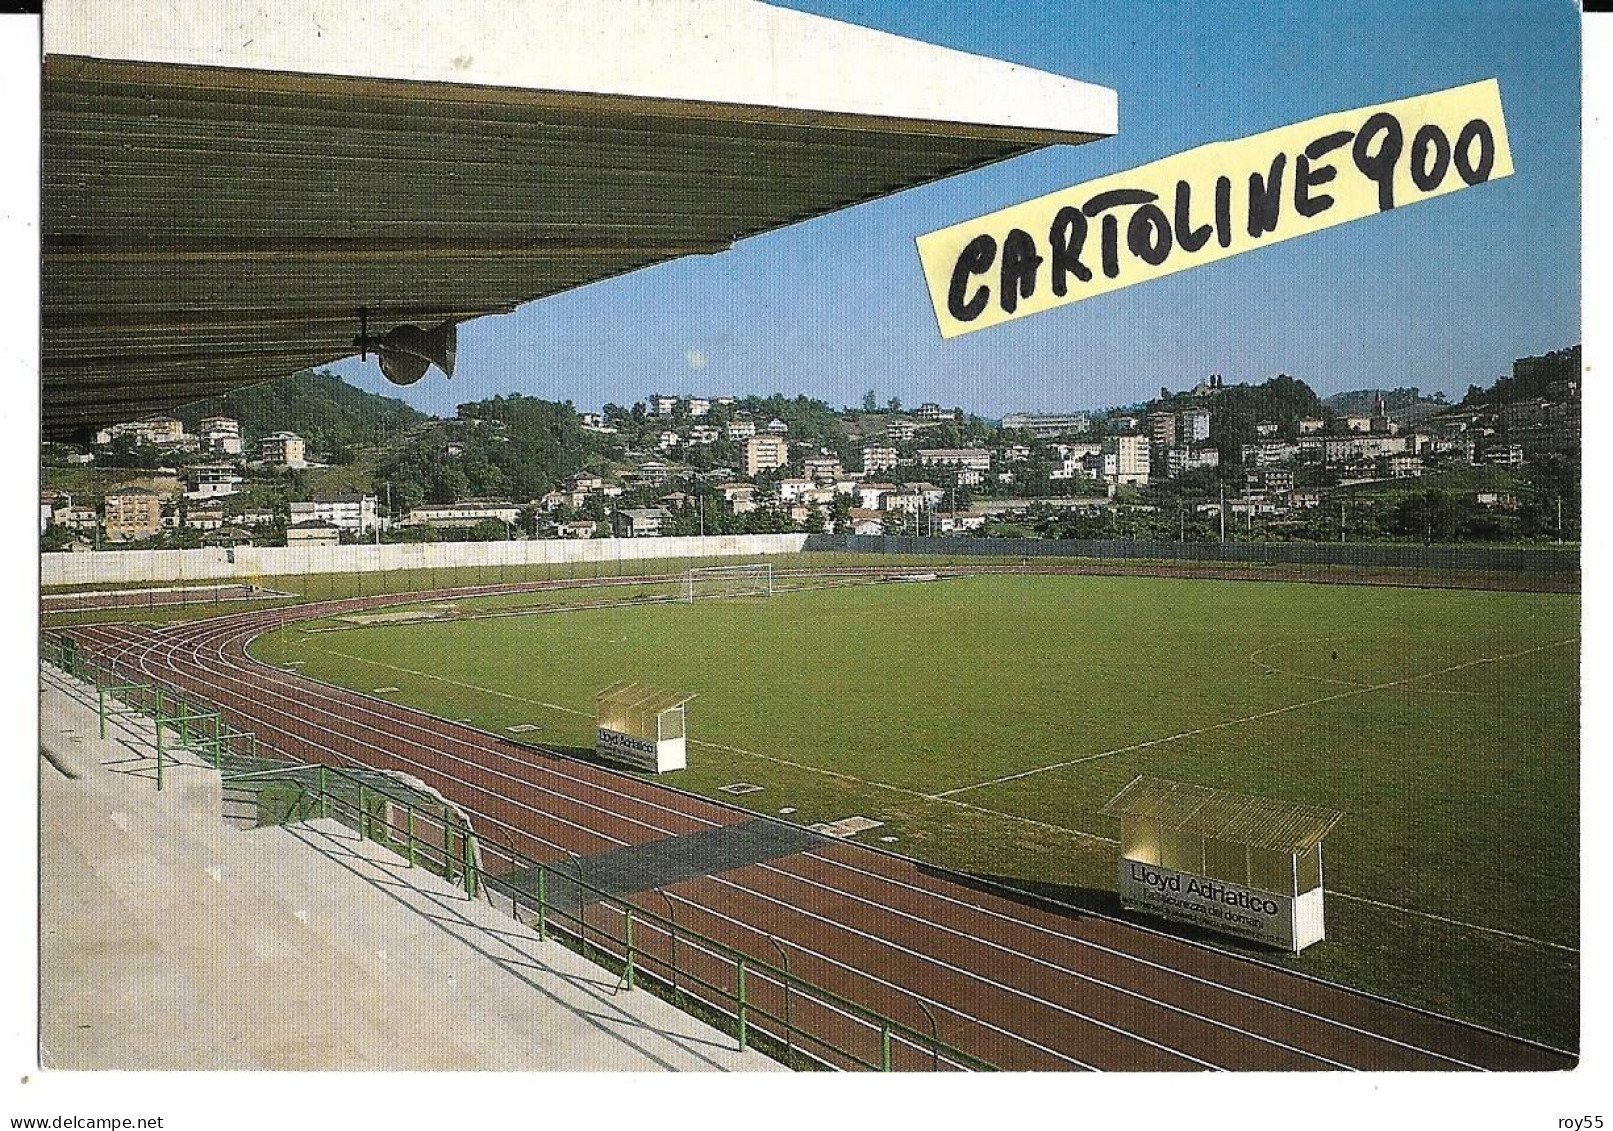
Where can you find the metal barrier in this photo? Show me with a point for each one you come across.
(198, 726)
(761, 1004)
(1497, 559)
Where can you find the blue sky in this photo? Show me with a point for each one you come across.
(1437, 295)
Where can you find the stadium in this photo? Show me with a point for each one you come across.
(785, 793)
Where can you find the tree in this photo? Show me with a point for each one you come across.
(870, 402)
(1428, 515)
(840, 513)
(894, 405)
(449, 485)
(425, 532)
(125, 451)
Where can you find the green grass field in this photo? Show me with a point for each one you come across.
(986, 721)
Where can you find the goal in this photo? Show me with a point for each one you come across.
(729, 581)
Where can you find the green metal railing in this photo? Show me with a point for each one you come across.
(762, 1004)
(195, 724)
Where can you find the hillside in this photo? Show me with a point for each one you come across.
(1236, 409)
(1531, 377)
(507, 447)
(331, 415)
(1404, 406)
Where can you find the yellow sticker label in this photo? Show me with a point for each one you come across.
(1210, 203)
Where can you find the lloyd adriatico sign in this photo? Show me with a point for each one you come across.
(636, 753)
(1213, 904)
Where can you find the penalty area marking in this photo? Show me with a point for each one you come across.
(1257, 716)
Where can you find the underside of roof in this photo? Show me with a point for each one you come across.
(227, 185)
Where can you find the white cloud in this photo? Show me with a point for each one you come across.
(696, 358)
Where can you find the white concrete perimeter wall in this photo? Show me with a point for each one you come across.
(115, 566)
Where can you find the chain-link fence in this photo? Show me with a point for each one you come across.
(1548, 560)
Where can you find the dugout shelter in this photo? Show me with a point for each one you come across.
(642, 727)
(1229, 862)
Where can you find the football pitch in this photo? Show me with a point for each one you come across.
(985, 721)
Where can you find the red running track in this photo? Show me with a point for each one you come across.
(1022, 986)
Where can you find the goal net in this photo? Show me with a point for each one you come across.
(729, 581)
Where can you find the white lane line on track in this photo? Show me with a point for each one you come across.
(889, 910)
(1082, 833)
(753, 929)
(173, 661)
(1113, 987)
(395, 756)
(835, 924)
(1094, 945)
(928, 892)
(762, 975)
(1353, 692)
(222, 658)
(172, 664)
(943, 797)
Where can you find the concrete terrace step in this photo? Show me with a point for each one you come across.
(170, 940)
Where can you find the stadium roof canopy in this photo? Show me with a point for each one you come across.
(1217, 814)
(228, 182)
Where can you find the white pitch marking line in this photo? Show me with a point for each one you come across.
(1454, 922)
(693, 741)
(1254, 658)
(952, 1008)
(451, 682)
(150, 649)
(1252, 718)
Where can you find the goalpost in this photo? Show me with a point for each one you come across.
(751, 580)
